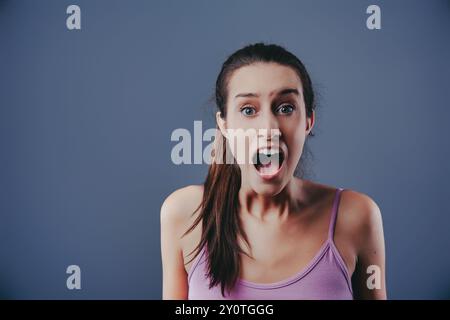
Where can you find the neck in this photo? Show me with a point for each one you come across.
(277, 206)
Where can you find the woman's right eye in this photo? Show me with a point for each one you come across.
(248, 111)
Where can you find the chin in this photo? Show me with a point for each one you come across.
(267, 190)
(267, 187)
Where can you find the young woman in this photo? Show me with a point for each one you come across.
(254, 230)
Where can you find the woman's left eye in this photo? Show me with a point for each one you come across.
(285, 109)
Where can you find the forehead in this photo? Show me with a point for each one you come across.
(262, 78)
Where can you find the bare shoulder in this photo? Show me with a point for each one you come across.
(176, 210)
(179, 206)
(356, 210)
(178, 213)
(359, 218)
(360, 209)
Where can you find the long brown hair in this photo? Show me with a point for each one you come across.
(219, 208)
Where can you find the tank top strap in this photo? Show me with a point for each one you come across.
(334, 212)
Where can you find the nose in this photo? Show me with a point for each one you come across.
(268, 127)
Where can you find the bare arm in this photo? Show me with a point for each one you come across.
(369, 277)
(175, 284)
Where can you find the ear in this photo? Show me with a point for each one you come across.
(310, 122)
(221, 123)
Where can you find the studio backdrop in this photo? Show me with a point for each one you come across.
(92, 92)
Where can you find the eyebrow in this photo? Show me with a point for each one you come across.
(282, 92)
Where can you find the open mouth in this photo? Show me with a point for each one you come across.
(268, 161)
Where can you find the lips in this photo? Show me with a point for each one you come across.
(268, 161)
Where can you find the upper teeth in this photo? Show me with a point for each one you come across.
(267, 151)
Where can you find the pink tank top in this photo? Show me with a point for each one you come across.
(325, 278)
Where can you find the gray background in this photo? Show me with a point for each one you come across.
(86, 118)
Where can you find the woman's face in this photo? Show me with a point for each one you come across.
(265, 101)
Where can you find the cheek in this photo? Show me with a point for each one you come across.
(236, 121)
(294, 141)
(240, 142)
(242, 136)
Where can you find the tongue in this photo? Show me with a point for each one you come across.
(268, 169)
